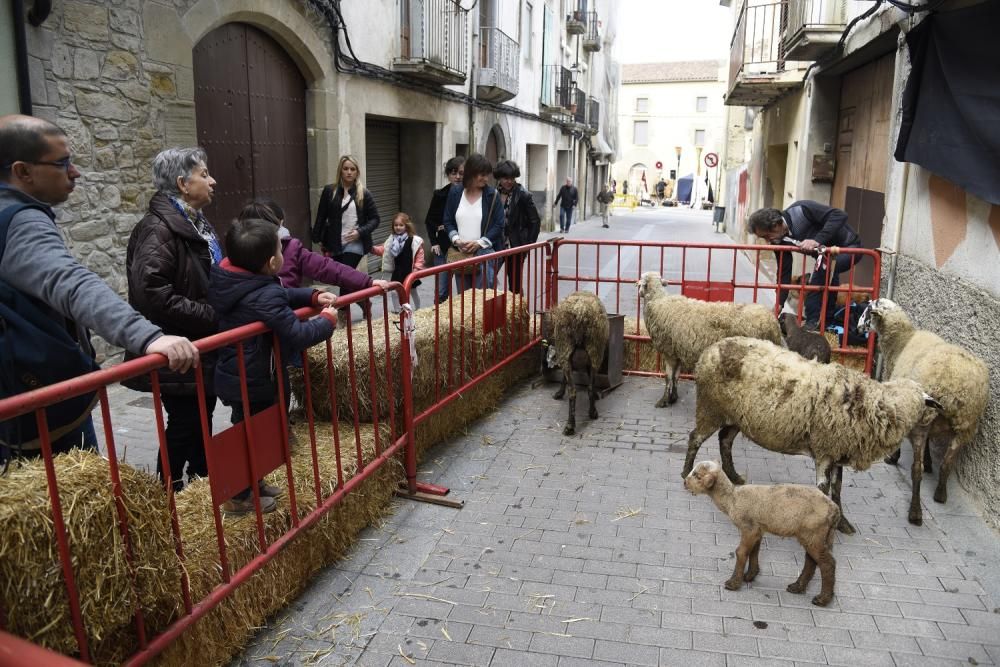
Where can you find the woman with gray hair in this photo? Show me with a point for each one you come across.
(167, 263)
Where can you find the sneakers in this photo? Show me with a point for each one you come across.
(237, 507)
(810, 325)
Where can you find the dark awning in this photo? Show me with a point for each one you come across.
(951, 103)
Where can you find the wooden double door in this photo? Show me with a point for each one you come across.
(250, 108)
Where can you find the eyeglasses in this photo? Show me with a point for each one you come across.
(62, 164)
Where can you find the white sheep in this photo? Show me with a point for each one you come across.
(580, 333)
(786, 510)
(791, 405)
(954, 376)
(681, 328)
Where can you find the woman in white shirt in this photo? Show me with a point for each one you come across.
(474, 220)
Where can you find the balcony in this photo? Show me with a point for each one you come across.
(759, 69)
(578, 107)
(592, 36)
(556, 97)
(593, 116)
(433, 41)
(576, 21)
(814, 27)
(498, 74)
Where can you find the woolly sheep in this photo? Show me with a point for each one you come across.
(790, 405)
(954, 376)
(786, 510)
(809, 344)
(580, 337)
(682, 328)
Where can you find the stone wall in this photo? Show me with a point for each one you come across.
(965, 315)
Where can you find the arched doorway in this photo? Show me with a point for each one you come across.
(251, 119)
(496, 146)
(637, 179)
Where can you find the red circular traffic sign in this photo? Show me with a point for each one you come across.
(711, 159)
(659, 165)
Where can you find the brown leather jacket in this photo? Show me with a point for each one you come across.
(167, 265)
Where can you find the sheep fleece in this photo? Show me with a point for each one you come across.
(682, 328)
(580, 321)
(792, 405)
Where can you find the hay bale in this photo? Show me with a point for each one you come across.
(647, 354)
(33, 589)
(225, 630)
(853, 361)
(472, 351)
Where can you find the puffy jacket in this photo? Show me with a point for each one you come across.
(329, 214)
(523, 221)
(167, 264)
(241, 297)
(300, 261)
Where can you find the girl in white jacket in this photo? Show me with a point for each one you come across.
(402, 254)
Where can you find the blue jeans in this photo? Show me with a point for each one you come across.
(444, 279)
(814, 300)
(565, 218)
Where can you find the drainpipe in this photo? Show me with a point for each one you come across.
(21, 58)
(890, 287)
(473, 86)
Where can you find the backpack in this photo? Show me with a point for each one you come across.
(35, 351)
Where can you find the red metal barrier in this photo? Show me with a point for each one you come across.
(710, 272)
(248, 451)
(236, 456)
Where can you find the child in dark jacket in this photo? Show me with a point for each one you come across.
(244, 288)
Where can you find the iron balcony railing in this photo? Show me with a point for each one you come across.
(806, 14)
(557, 83)
(576, 19)
(434, 39)
(593, 114)
(579, 106)
(757, 47)
(592, 35)
(499, 56)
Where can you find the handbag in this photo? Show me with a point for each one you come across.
(456, 255)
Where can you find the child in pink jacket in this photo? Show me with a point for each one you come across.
(402, 254)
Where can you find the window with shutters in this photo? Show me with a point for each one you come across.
(640, 132)
(642, 105)
(701, 104)
(699, 137)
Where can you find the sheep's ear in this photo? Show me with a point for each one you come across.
(930, 402)
(708, 479)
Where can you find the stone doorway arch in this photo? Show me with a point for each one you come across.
(496, 145)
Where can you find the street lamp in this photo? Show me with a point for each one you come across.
(677, 174)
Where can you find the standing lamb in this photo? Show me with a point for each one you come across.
(682, 328)
(580, 333)
(956, 377)
(786, 510)
(787, 404)
(809, 344)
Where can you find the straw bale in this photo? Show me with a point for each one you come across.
(853, 361)
(647, 360)
(33, 588)
(224, 630)
(472, 351)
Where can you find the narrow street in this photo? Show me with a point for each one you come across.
(586, 550)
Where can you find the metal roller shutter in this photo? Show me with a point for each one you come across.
(382, 177)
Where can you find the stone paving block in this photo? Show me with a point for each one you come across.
(629, 653)
(908, 627)
(508, 658)
(970, 633)
(883, 642)
(871, 607)
(688, 658)
(907, 660)
(596, 629)
(970, 653)
(479, 615)
(454, 653)
(662, 603)
(570, 661)
(728, 644)
(580, 647)
(749, 661)
(984, 619)
(852, 657)
(786, 650)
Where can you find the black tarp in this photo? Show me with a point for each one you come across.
(951, 103)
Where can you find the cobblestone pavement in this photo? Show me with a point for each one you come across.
(587, 551)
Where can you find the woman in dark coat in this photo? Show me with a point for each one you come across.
(523, 221)
(170, 253)
(437, 235)
(346, 216)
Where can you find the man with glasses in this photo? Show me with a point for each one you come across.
(36, 168)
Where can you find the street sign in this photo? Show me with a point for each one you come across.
(659, 165)
(711, 159)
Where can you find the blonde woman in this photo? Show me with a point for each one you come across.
(346, 216)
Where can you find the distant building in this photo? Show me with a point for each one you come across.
(663, 107)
